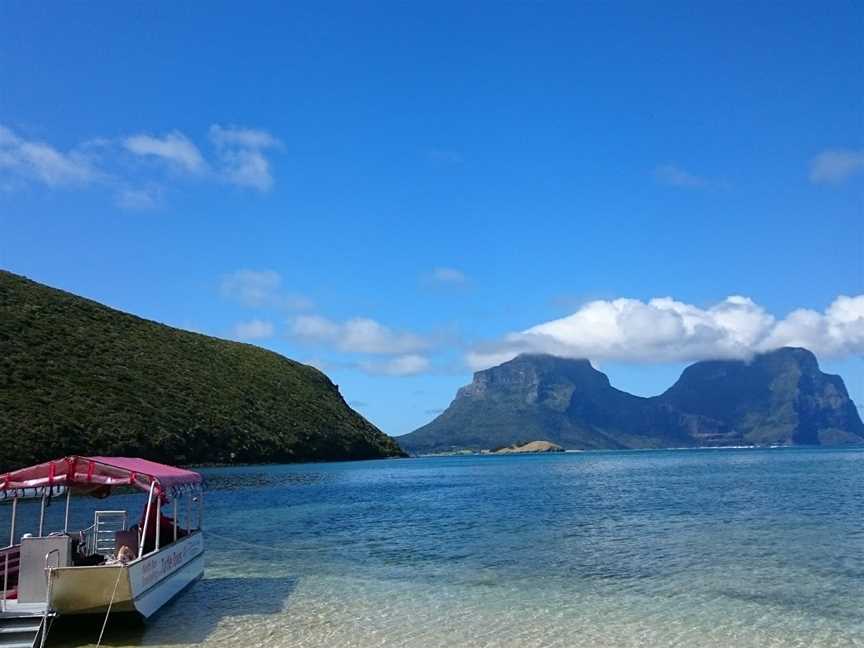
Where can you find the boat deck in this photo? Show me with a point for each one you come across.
(16, 610)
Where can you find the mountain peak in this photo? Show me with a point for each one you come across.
(803, 357)
(543, 360)
(779, 397)
(531, 371)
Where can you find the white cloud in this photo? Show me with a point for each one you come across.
(241, 154)
(837, 332)
(138, 199)
(315, 328)
(260, 289)
(666, 330)
(357, 335)
(242, 137)
(675, 176)
(404, 365)
(174, 147)
(39, 161)
(835, 166)
(251, 288)
(247, 168)
(449, 276)
(253, 330)
(239, 158)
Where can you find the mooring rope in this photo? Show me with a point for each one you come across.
(120, 570)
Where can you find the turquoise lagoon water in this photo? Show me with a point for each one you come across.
(696, 548)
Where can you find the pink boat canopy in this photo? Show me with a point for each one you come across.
(95, 474)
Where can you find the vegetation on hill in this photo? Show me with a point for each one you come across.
(77, 377)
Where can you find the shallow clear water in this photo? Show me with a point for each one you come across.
(704, 548)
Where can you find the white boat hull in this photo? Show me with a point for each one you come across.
(142, 586)
(148, 602)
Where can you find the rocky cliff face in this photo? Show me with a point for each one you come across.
(779, 397)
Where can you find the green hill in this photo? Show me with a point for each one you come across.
(77, 377)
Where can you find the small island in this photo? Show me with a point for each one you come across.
(530, 447)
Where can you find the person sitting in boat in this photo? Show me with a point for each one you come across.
(125, 555)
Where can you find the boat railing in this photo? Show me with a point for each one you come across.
(49, 591)
(11, 558)
(49, 568)
(88, 540)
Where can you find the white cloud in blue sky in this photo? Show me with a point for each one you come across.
(138, 199)
(31, 159)
(255, 329)
(252, 288)
(239, 158)
(237, 136)
(675, 176)
(404, 365)
(174, 148)
(664, 330)
(356, 335)
(444, 275)
(836, 166)
(241, 154)
(261, 289)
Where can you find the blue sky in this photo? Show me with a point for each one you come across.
(398, 192)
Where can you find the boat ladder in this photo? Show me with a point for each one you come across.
(106, 525)
(21, 631)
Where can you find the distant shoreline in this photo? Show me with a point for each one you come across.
(473, 453)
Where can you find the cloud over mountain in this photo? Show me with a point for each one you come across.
(666, 330)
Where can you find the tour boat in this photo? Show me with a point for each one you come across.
(110, 566)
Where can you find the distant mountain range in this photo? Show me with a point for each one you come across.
(780, 397)
(77, 377)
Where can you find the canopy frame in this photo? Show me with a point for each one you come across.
(98, 474)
